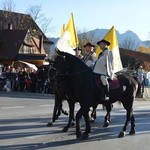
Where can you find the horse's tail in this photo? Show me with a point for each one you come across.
(139, 91)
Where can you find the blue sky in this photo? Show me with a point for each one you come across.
(88, 15)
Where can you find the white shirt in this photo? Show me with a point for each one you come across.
(103, 65)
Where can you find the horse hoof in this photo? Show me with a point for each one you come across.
(84, 136)
(92, 120)
(66, 113)
(65, 129)
(78, 135)
(106, 124)
(49, 124)
(121, 134)
(132, 132)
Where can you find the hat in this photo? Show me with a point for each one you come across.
(89, 44)
(104, 41)
(78, 48)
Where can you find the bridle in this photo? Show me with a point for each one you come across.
(59, 73)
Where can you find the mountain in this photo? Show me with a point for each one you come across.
(128, 40)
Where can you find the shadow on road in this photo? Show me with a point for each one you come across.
(57, 138)
(25, 95)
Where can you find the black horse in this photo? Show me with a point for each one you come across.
(89, 94)
(63, 88)
(58, 88)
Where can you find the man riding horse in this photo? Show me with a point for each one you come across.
(103, 66)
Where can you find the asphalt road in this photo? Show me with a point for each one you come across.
(23, 119)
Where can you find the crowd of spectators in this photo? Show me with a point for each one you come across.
(19, 79)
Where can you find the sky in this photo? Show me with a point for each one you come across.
(133, 15)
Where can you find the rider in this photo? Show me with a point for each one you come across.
(90, 56)
(103, 66)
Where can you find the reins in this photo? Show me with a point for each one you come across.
(59, 73)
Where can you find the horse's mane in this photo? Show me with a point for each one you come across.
(76, 61)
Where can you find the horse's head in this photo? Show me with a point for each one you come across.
(59, 66)
(65, 64)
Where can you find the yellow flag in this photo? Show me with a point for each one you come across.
(98, 51)
(62, 30)
(69, 39)
(70, 27)
(112, 38)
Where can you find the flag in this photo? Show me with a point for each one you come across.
(98, 51)
(62, 30)
(112, 38)
(69, 39)
(72, 30)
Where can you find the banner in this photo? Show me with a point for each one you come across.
(112, 38)
(69, 39)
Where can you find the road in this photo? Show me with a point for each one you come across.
(23, 119)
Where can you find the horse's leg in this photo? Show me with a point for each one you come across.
(107, 117)
(55, 112)
(85, 135)
(93, 114)
(132, 131)
(59, 108)
(78, 118)
(71, 116)
(129, 116)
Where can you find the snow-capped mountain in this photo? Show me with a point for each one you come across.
(127, 40)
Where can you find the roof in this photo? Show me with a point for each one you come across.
(135, 54)
(10, 43)
(20, 21)
(135, 57)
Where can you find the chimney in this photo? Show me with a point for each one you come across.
(40, 43)
(9, 26)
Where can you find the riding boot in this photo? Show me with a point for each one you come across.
(106, 92)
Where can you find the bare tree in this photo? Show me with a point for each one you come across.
(36, 13)
(129, 44)
(84, 38)
(8, 5)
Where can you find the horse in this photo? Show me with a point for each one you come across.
(57, 86)
(63, 91)
(89, 94)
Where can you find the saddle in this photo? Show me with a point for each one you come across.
(113, 84)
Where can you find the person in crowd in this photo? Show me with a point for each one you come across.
(90, 56)
(140, 75)
(13, 79)
(21, 79)
(27, 83)
(103, 66)
(33, 78)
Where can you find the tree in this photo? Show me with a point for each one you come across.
(129, 44)
(8, 5)
(144, 49)
(83, 39)
(36, 13)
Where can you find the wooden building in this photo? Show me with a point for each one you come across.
(21, 39)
